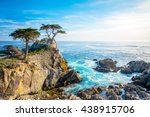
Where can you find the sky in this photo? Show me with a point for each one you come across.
(83, 20)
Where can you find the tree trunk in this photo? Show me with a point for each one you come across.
(26, 51)
(53, 40)
(49, 38)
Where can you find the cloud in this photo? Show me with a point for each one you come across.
(71, 16)
(7, 21)
(144, 6)
(127, 25)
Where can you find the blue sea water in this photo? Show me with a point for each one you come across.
(80, 57)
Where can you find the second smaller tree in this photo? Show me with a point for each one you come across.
(52, 30)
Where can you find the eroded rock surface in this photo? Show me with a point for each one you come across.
(135, 66)
(106, 65)
(44, 70)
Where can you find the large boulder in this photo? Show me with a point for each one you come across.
(70, 78)
(91, 93)
(142, 80)
(106, 65)
(135, 66)
(133, 92)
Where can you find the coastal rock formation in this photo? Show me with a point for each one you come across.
(135, 66)
(133, 92)
(70, 78)
(89, 94)
(143, 80)
(106, 65)
(137, 90)
(101, 93)
(44, 70)
(116, 92)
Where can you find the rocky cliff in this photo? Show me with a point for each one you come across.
(44, 71)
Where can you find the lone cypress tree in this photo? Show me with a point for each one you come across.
(27, 35)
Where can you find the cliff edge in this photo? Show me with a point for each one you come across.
(45, 71)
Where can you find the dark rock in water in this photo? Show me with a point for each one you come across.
(94, 59)
(112, 90)
(88, 93)
(73, 97)
(70, 78)
(96, 97)
(69, 67)
(106, 65)
(142, 80)
(114, 96)
(112, 93)
(135, 66)
(126, 70)
(138, 66)
(125, 92)
(83, 95)
(110, 87)
(133, 92)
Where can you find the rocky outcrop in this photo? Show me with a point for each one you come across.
(101, 93)
(142, 80)
(90, 93)
(20, 79)
(116, 92)
(106, 65)
(44, 70)
(135, 66)
(133, 92)
(70, 78)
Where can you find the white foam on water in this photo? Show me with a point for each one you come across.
(93, 78)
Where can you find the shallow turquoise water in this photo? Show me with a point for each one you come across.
(80, 57)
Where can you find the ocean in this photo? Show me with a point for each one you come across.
(80, 57)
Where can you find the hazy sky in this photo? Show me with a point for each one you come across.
(84, 20)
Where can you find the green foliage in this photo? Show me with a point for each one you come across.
(55, 26)
(26, 34)
(52, 30)
(62, 31)
(40, 50)
(45, 27)
(11, 60)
